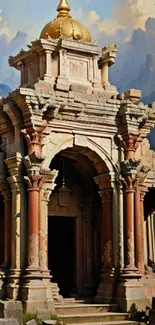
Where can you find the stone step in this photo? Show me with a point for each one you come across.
(92, 317)
(85, 308)
(125, 322)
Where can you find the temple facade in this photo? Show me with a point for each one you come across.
(77, 177)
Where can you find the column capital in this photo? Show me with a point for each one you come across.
(14, 164)
(142, 175)
(130, 143)
(108, 54)
(129, 173)
(49, 183)
(14, 183)
(143, 191)
(34, 182)
(34, 137)
(6, 192)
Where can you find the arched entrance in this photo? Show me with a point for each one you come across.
(74, 225)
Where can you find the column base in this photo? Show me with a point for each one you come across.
(62, 83)
(49, 79)
(106, 291)
(110, 89)
(130, 294)
(13, 284)
(35, 293)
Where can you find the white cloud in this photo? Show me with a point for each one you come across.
(3, 26)
(93, 17)
(127, 14)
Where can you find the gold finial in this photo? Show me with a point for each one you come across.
(63, 8)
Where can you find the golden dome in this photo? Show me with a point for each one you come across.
(65, 26)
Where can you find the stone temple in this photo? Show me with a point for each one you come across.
(77, 177)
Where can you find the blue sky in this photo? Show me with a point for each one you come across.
(109, 21)
(31, 15)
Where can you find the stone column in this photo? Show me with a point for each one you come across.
(34, 289)
(106, 195)
(14, 180)
(41, 65)
(105, 74)
(34, 184)
(139, 227)
(88, 285)
(7, 227)
(106, 287)
(62, 80)
(45, 193)
(129, 289)
(150, 238)
(48, 75)
(139, 234)
(106, 61)
(153, 236)
(52, 290)
(96, 81)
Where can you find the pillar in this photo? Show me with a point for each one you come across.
(139, 234)
(7, 227)
(106, 287)
(88, 265)
(153, 236)
(48, 75)
(150, 238)
(105, 74)
(33, 183)
(46, 190)
(13, 283)
(62, 80)
(34, 291)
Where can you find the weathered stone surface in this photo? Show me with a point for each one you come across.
(44, 314)
(12, 309)
(10, 321)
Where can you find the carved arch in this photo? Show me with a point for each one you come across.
(60, 142)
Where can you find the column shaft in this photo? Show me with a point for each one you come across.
(7, 228)
(139, 234)
(33, 210)
(106, 195)
(129, 258)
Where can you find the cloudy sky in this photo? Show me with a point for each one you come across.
(108, 20)
(102, 16)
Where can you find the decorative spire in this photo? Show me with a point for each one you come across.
(63, 8)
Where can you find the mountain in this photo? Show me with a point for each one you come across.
(4, 90)
(135, 63)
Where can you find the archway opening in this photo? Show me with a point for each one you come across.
(74, 223)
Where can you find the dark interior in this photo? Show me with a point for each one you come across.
(62, 253)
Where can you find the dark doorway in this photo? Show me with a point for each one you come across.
(62, 252)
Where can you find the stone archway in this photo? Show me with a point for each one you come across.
(80, 201)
